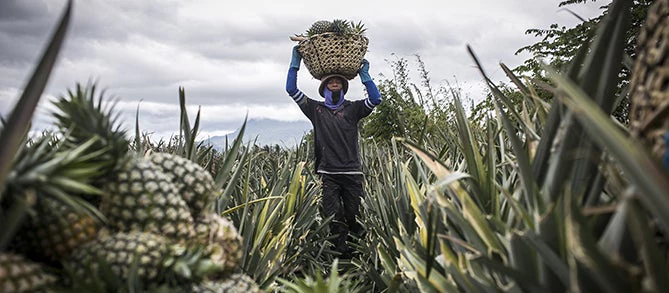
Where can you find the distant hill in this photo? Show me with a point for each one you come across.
(268, 132)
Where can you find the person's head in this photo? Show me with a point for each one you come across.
(335, 83)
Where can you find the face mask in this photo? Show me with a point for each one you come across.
(333, 100)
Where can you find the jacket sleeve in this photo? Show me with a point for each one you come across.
(373, 95)
(291, 87)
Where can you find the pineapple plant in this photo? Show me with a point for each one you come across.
(488, 226)
(19, 275)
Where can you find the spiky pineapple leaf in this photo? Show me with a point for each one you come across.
(652, 256)
(18, 123)
(646, 174)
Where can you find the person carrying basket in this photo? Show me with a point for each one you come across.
(337, 158)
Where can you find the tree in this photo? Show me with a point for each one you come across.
(559, 44)
(408, 110)
(399, 114)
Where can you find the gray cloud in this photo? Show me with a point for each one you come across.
(18, 10)
(232, 59)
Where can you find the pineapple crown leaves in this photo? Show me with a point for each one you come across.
(190, 262)
(50, 169)
(43, 170)
(45, 164)
(333, 283)
(340, 26)
(358, 28)
(84, 117)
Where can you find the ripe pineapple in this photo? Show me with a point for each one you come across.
(319, 27)
(119, 251)
(152, 259)
(20, 275)
(222, 240)
(237, 283)
(54, 230)
(195, 184)
(141, 197)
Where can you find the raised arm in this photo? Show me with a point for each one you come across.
(373, 95)
(291, 80)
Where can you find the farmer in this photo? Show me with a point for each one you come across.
(337, 160)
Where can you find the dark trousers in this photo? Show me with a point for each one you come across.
(341, 197)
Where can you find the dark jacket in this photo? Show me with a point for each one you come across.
(335, 131)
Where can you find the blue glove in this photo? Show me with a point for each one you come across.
(364, 71)
(296, 59)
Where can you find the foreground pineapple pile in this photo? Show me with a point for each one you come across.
(103, 217)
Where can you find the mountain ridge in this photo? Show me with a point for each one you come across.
(266, 132)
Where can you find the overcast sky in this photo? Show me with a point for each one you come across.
(232, 56)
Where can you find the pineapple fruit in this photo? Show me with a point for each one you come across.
(193, 182)
(221, 239)
(119, 251)
(319, 27)
(19, 275)
(58, 186)
(237, 283)
(54, 231)
(141, 197)
(151, 259)
(151, 198)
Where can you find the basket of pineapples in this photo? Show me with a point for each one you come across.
(330, 47)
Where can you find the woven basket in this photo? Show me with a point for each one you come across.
(330, 53)
(649, 98)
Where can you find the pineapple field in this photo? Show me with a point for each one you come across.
(526, 193)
